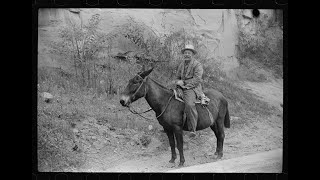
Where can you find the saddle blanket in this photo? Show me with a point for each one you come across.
(204, 101)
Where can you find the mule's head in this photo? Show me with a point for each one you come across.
(135, 89)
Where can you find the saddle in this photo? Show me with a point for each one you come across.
(178, 94)
(204, 101)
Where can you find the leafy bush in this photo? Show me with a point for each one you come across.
(263, 45)
(212, 69)
(80, 47)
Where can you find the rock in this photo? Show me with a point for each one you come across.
(47, 97)
(150, 127)
(75, 148)
(247, 13)
(119, 136)
(74, 10)
(234, 118)
(115, 135)
(185, 146)
(145, 140)
(110, 106)
(135, 138)
(75, 130)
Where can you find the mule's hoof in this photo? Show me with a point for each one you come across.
(180, 164)
(216, 153)
(170, 165)
(192, 135)
(171, 161)
(219, 156)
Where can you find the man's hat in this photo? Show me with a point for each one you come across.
(189, 47)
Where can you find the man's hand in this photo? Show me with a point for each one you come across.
(179, 82)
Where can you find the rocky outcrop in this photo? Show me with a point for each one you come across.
(217, 29)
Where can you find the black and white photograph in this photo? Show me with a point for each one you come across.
(160, 90)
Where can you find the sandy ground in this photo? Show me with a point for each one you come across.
(265, 162)
(245, 137)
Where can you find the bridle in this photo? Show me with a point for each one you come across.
(145, 93)
(145, 89)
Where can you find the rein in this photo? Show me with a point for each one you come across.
(135, 112)
(145, 93)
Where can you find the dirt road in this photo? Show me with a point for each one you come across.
(266, 162)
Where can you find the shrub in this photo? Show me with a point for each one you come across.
(212, 69)
(264, 45)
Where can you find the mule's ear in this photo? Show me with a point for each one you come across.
(146, 73)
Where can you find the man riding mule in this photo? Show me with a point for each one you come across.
(169, 111)
(189, 78)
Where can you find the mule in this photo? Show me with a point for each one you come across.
(170, 111)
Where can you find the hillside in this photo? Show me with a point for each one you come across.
(84, 127)
(105, 137)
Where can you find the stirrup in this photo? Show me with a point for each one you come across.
(205, 101)
(192, 134)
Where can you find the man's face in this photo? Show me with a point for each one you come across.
(187, 54)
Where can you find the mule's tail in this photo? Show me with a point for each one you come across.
(227, 118)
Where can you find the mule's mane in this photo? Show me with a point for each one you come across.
(162, 86)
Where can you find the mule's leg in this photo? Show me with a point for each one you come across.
(172, 145)
(215, 130)
(179, 138)
(219, 132)
(220, 137)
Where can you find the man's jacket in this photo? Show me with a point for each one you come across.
(193, 76)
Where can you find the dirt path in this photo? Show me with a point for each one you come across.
(265, 162)
(271, 92)
(245, 137)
